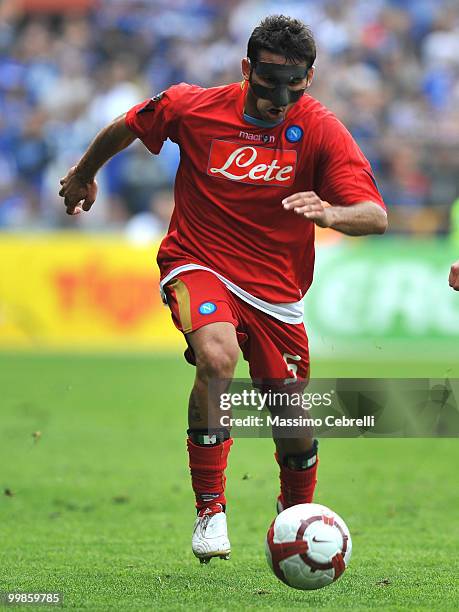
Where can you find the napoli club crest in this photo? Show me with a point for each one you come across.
(207, 308)
(294, 133)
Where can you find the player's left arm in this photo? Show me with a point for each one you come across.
(356, 220)
(345, 196)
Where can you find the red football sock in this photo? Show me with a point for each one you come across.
(207, 467)
(297, 486)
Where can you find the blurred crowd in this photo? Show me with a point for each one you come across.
(388, 68)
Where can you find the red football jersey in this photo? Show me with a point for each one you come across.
(233, 177)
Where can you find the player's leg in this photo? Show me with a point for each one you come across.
(278, 354)
(201, 309)
(216, 351)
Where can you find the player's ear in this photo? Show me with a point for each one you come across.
(310, 76)
(245, 66)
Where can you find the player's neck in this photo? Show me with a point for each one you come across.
(261, 122)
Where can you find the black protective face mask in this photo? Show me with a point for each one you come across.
(281, 76)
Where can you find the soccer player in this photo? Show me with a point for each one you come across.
(454, 276)
(261, 164)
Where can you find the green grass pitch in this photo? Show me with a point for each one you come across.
(99, 507)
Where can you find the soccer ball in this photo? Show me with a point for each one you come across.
(308, 546)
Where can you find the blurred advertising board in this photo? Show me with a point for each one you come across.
(73, 291)
(383, 289)
(77, 292)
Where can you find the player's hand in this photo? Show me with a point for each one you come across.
(78, 193)
(454, 276)
(309, 205)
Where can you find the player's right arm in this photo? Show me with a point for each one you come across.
(454, 276)
(152, 121)
(79, 187)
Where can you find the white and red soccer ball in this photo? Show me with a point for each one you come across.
(308, 546)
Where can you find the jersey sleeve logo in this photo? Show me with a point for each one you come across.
(150, 104)
(252, 165)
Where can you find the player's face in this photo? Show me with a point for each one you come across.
(274, 109)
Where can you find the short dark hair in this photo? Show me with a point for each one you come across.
(284, 36)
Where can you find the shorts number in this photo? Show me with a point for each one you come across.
(292, 367)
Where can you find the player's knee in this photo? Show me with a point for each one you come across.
(217, 359)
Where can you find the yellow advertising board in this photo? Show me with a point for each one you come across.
(79, 291)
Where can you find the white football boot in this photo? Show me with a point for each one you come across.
(210, 535)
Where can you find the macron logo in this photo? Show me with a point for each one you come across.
(264, 138)
(252, 165)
